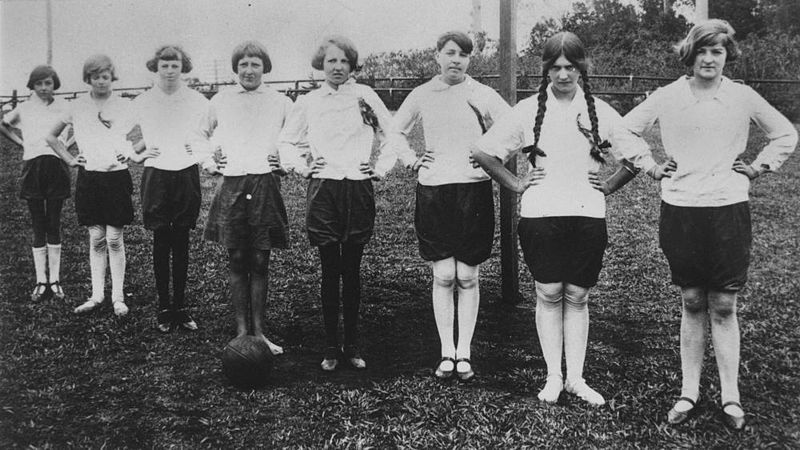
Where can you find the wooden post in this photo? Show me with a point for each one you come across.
(509, 262)
(700, 10)
(49, 16)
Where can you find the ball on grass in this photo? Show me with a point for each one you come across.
(247, 362)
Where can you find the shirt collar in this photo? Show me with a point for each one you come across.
(723, 94)
(438, 85)
(259, 90)
(578, 101)
(345, 87)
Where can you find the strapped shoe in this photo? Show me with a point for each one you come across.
(182, 318)
(735, 423)
(353, 356)
(582, 390)
(88, 305)
(444, 374)
(331, 359)
(55, 288)
(675, 417)
(464, 375)
(164, 321)
(39, 291)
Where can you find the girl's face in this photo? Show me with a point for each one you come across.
(169, 71)
(336, 66)
(709, 62)
(101, 83)
(250, 70)
(44, 89)
(564, 77)
(453, 63)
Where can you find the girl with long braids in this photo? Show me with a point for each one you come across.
(562, 227)
(454, 217)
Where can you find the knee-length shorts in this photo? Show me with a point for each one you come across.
(340, 211)
(170, 197)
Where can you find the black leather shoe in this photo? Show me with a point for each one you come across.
(675, 417)
(735, 423)
(466, 375)
(164, 321)
(182, 319)
(444, 374)
(353, 356)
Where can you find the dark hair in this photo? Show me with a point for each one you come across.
(460, 38)
(708, 33)
(96, 64)
(40, 73)
(567, 44)
(346, 45)
(170, 53)
(253, 49)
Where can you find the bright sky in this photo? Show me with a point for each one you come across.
(129, 31)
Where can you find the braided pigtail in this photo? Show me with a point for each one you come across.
(533, 150)
(598, 147)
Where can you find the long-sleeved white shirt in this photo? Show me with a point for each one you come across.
(565, 189)
(246, 126)
(36, 119)
(170, 122)
(450, 126)
(100, 143)
(329, 122)
(705, 137)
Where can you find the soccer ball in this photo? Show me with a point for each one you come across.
(247, 362)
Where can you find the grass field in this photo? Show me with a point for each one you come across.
(102, 382)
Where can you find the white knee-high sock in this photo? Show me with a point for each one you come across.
(40, 263)
(468, 305)
(116, 257)
(54, 261)
(444, 313)
(576, 332)
(550, 328)
(98, 260)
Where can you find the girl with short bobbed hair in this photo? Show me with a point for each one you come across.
(562, 228)
(253, 49)
(705, 229)
(104, 186)
(170, 53)
(454, 214)
(338, 124)
(45, 179)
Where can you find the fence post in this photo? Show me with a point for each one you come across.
(14, 98)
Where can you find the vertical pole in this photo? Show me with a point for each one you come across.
(49, 14)
(509, 263)
(700, 10)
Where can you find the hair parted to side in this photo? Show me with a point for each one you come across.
(96, 64)
(460, 38)
(40, 73)
(568, 44)
(252, 49)
(346, 45)
(170, 53)
(707, 33)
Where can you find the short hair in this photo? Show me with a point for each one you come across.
(40, 73)
(96, 64)
(706, 33)
(170, 53)
(346, 45)
(460, 38)
(254, 49)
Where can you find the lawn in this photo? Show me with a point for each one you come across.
(101, 382)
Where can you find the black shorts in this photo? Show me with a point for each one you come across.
(45, 177)
(248, 212)
(707, 246)
(104, 198)
(170, 197)
(340, 211)
(455, 220)
(566, 249)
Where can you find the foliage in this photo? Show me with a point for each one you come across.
(100, 382)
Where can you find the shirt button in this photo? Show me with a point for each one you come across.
(249, 197)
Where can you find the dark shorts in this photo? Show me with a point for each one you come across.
(104, 198)
(248, 212)
(707, 246)
(455, 220)
(340, 211)
(565, 249)
(170, 197)
(45, 177)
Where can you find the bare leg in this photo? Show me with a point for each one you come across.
(259, 279)
(240, 289)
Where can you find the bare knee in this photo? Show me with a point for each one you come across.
(550, 293)
(695, 300)
(722, 305)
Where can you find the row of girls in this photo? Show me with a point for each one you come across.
(327, 136)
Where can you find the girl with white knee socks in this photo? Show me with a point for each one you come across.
(562, 227)
(454, 216)
(104, 187)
